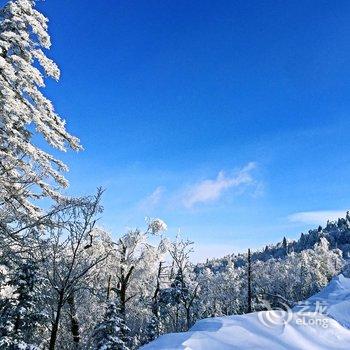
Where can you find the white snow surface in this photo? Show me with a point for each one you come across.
(336, 297)
(273, 330)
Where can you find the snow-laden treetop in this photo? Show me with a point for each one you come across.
(27, 172)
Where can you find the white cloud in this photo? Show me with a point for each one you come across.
(316, 217)
(153, 199)
(211, 190)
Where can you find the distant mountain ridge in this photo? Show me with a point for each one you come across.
(336, 232)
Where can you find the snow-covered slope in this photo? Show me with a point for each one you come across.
(336, 299)
(277, 330)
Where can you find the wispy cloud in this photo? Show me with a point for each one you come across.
(316, 217)
(211, 190)
(153, 199)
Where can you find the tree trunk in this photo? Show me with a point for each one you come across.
(122, 296)
(177, 319)
(155, 306)
(74, 321)
(249, 275)
(108, 287)
(54, 331)
(188, 318)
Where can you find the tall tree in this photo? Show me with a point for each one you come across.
(69, 258)
(132, 251)
(249, 277)
(184, 287)
(27, 173)
(154, 324)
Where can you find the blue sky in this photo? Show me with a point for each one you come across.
(224, 118)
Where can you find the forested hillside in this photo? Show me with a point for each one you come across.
(337, 233)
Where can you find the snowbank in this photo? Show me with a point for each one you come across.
(336, 298)
(293, 330)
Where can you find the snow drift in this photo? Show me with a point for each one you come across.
(311, 329)
(336, 297)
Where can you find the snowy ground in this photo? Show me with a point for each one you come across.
(322, 326)
(336, 298)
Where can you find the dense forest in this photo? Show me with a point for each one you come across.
(67, 284)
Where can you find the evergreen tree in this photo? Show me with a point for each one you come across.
(285, 244)
(111, 333)
(21, 318)
(153, 328)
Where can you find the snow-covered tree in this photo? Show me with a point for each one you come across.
(154, 324)
(134, 276)
(22, 318)
(69, 257)
(111, 332)
(184, 287)
(27, 173)
(298, 276)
